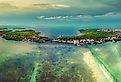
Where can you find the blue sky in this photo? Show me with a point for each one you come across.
(59, 12)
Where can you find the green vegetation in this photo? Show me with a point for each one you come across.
(96, 35)
(26, 35)
(19, 35)
(31, 35)
(89, 34)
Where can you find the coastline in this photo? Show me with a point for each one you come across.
(107, 35)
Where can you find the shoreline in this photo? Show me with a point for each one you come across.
(32, 36)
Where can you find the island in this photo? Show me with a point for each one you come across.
(91, 36)
(24, 35)
(86, 36)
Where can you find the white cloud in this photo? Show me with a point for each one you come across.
(60, 5)
(54, 17)
(48, 6)
(63, 17)
(109, 14)
(41, 17)
(77, 16)
(83, 16)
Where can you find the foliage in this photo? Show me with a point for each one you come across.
(92, 34)
(20, 35)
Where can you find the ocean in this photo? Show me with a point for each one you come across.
(56, 62)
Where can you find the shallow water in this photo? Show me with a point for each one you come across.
(110, 56)
(32, 62)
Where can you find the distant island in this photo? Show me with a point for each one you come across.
(86, 36)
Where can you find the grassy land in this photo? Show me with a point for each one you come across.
(89, 34)
(20, 35)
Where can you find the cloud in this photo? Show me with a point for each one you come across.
(48, 6)
(6, 7)
(110, 14)
(62, 6)
(54, 17)
(70, 8)
(111, 2)
(63, 17)
(10, 7)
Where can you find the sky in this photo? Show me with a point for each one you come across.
(60, 12)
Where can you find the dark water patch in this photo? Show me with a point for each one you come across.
(17, 69)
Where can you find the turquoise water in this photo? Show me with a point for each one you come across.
(53, 62)
(110, 56)
(31, 62)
